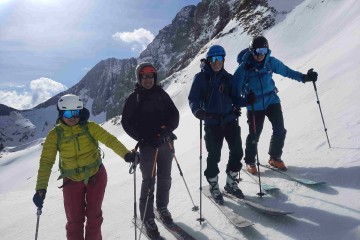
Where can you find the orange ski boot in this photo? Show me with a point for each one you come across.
(251, 168)
(277, 163)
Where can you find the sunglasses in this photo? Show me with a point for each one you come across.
(260, 51)
(216, 58)
(147, 76)
(71, 113)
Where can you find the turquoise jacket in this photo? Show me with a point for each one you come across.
(257, 77)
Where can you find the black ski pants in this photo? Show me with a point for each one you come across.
(274, 113)
(162, 171)
(214, 138)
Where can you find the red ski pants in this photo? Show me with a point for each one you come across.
(82, 201)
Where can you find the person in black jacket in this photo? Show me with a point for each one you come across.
(150, 117)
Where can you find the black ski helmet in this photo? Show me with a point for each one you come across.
(258, 42)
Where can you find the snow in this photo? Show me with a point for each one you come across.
(331, 211)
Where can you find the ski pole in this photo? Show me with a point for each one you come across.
(200, 219)
(256, 149)
(195, 208)
(38, 213)
(318, 102)
(132, 170)
(148, 194)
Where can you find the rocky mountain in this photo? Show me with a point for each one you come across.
(105, 87)
(5, 110)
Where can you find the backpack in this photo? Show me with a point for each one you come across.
(241, 55)
(86, 169)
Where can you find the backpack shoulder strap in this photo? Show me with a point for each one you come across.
(87, 133)
(208, 87)
(60, 135)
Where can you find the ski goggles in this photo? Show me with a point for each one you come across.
(260, 51)
(71, 113)
(216, 58)
(147, 76)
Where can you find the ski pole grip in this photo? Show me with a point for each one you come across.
(38, 212)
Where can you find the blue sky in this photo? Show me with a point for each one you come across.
(55, 42)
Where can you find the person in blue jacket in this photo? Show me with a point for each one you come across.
(212, 99)
(253, 78)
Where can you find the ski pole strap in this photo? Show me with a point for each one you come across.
(135, 163)
(84, 169)
(137, 159)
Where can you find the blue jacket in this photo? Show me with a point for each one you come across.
(257, 77)
(213, 93)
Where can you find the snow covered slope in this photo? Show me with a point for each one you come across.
(323, 35)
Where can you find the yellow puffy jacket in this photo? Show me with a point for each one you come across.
(78, 151)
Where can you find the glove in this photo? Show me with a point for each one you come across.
(170, 137)
(39, 197)
(165, 131)
(311, 76)
(251, 98)
(130, 156)
(200, 114)
(237, 112)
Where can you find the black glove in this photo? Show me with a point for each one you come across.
(237, 112)
(170, 137)
(165, 131)
(130, 156)
(311, 76)
(200, 114)
(251, 98)
(39, 197)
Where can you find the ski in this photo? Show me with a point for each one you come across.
(143, 230)
(236, 219)
(257, 206)
(299, 180)
(265, 187)
(174, 229)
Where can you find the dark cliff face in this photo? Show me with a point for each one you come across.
(5, 110)
(255, 16)
(179, 42)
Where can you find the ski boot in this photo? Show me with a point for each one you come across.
(151, 229)
(165, 216)
(277, 163)
(232, 185)
(251, 168)
(215, 191)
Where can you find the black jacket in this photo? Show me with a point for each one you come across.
(145, 111)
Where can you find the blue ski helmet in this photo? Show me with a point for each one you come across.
(216, 50)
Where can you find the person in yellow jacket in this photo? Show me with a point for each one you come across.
(83, 173)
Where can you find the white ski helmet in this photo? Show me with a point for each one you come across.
(70, 102)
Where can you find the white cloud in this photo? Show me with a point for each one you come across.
(139, 36)
(39, 91)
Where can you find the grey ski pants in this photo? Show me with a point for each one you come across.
(162, 173)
